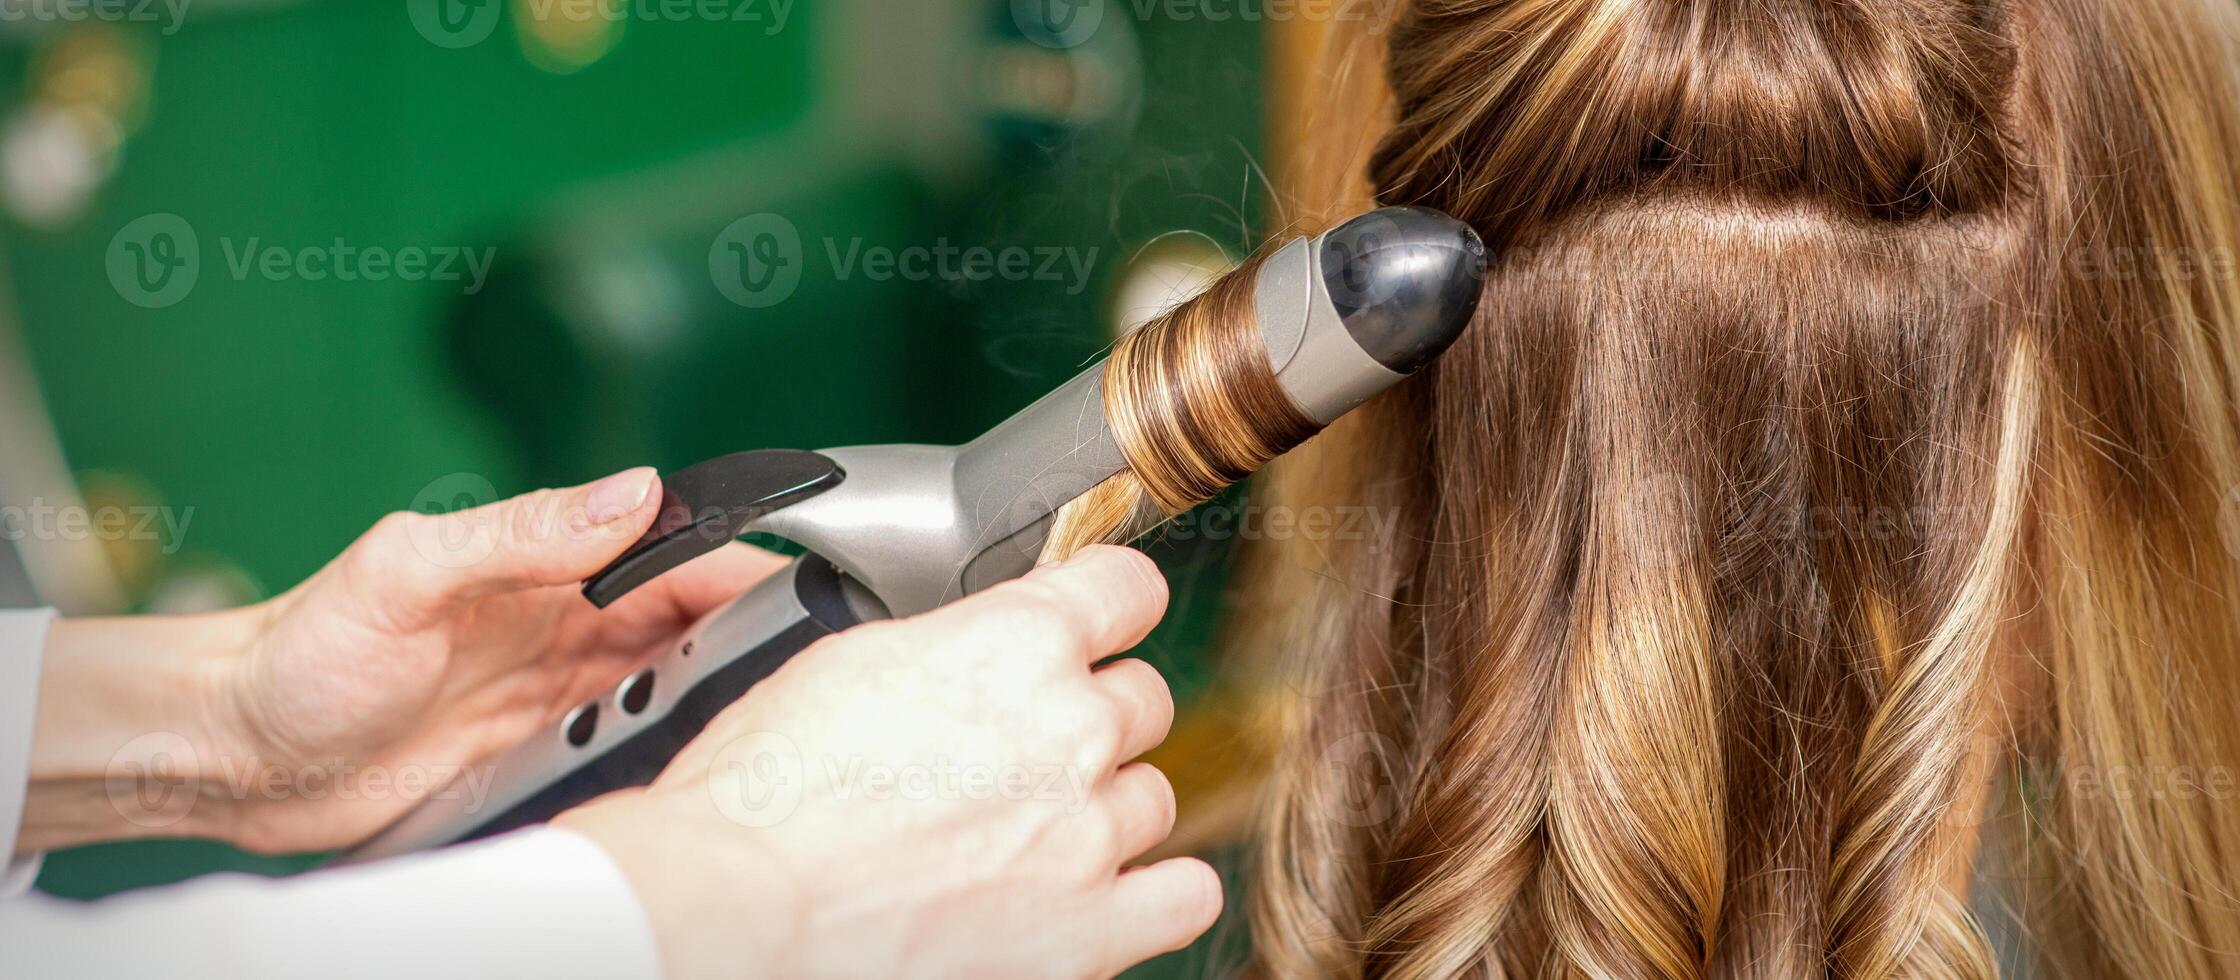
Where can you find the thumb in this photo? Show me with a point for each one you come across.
(422, 566)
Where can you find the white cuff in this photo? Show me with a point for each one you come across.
(534, 905)
(23, 639)
(16, 881)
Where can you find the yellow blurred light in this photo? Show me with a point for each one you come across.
(564, 36)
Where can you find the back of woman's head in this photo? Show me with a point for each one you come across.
(1842, 436)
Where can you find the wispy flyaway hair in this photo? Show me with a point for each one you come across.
(1818, 523)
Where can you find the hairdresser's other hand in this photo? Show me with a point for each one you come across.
(945, 796)
(447, 639)
(429, 646)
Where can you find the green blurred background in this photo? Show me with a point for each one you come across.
(603, 167)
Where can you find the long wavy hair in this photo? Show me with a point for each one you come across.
(1810, 562)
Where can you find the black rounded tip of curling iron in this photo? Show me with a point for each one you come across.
(1405, 281)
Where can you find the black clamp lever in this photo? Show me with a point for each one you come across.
(706, 505)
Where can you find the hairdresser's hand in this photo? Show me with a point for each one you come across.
(310, 721)
(946, 796)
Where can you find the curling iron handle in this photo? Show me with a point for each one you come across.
(627, 736)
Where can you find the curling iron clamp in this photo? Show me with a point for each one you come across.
(895, 531)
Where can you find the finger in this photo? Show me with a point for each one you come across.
(1159, 909)
(1119, 592)
(1143, 701)
(1098, 603)
(1139, 802)
(420, 566)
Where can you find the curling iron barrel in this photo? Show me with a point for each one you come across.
(899, 530)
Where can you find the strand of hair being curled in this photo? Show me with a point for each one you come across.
(1195, 407)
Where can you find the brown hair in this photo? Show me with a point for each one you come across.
(1842, 438)
(1195, 407)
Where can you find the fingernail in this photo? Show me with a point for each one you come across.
(620, 495)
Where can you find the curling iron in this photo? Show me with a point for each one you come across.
(894, 531)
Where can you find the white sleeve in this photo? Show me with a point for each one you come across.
(23, 638)
(542, 904)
